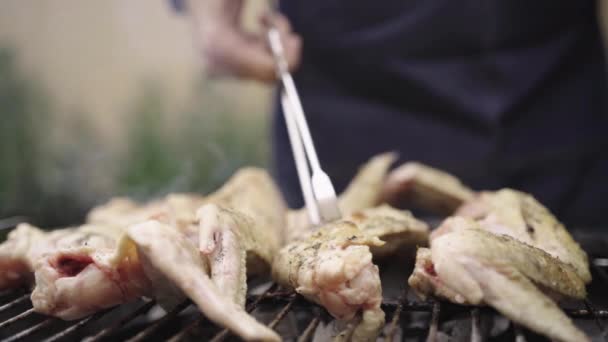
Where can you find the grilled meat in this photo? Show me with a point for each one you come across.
(363, 192)
(333, 267)
(468, 265)
(400, 230)
(178, 251)
(522, 217)
(506, 211)
(169, 255)
(152, 260)
(238, 228)
(81, 275)
(91, 267)
(179, 209)
(20, 251)
(241, 229)
(419, 185)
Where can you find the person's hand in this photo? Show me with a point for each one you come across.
(228, 50)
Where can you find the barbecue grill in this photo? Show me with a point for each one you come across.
(408, 318)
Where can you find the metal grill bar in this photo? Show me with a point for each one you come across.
(476, 334)
(220, 336)
(81, 323)
(586, 313)
(598, 322)
(434, 326)
(396, 316)
(519, 335)
(181, 334)
(14, 319)
(170, 315)
(282, 313)
(30, 330)
(105, 332)
(398, 307)
(275, 296)
(310, 329)
(14, 303)
(224, 333)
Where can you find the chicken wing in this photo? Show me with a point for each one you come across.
(419, 185)
(174, 257)
(333, 267)
(506, 211)
(522, 217)
(19, 253)
(400, 230)
(114, 258)
(469, 265)
(238, 228)
(87, 271)
(364, 191)
(82, 274)
(241, 229)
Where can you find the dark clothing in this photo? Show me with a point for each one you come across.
(498, 92)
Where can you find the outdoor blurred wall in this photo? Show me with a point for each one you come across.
(103, 98)
(99, 98)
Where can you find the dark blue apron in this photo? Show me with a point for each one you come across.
(498, 92)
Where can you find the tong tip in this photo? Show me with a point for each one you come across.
(325, 196)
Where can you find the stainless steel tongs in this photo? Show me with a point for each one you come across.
(318, 190)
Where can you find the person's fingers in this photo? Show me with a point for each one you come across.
(229, 51)
(292, 43)
(240, 55)
(255, 61)
(277, 20)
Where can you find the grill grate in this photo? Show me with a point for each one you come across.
(281, 303)
(288, 313)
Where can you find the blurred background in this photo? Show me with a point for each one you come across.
(107, 98)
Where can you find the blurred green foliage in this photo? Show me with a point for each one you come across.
(197, 154)
(39, 180)
(23, 113)
(150, 161)
(52, 181)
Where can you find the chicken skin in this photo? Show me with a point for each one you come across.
(399, 229)
(364, 191)
(421, 186)
(333, 267)
(241, 229)
(181, 246)
(506, 211)
(80, 276)
(522, 217)
(169, 255)
(23, 246)
(468, 265)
